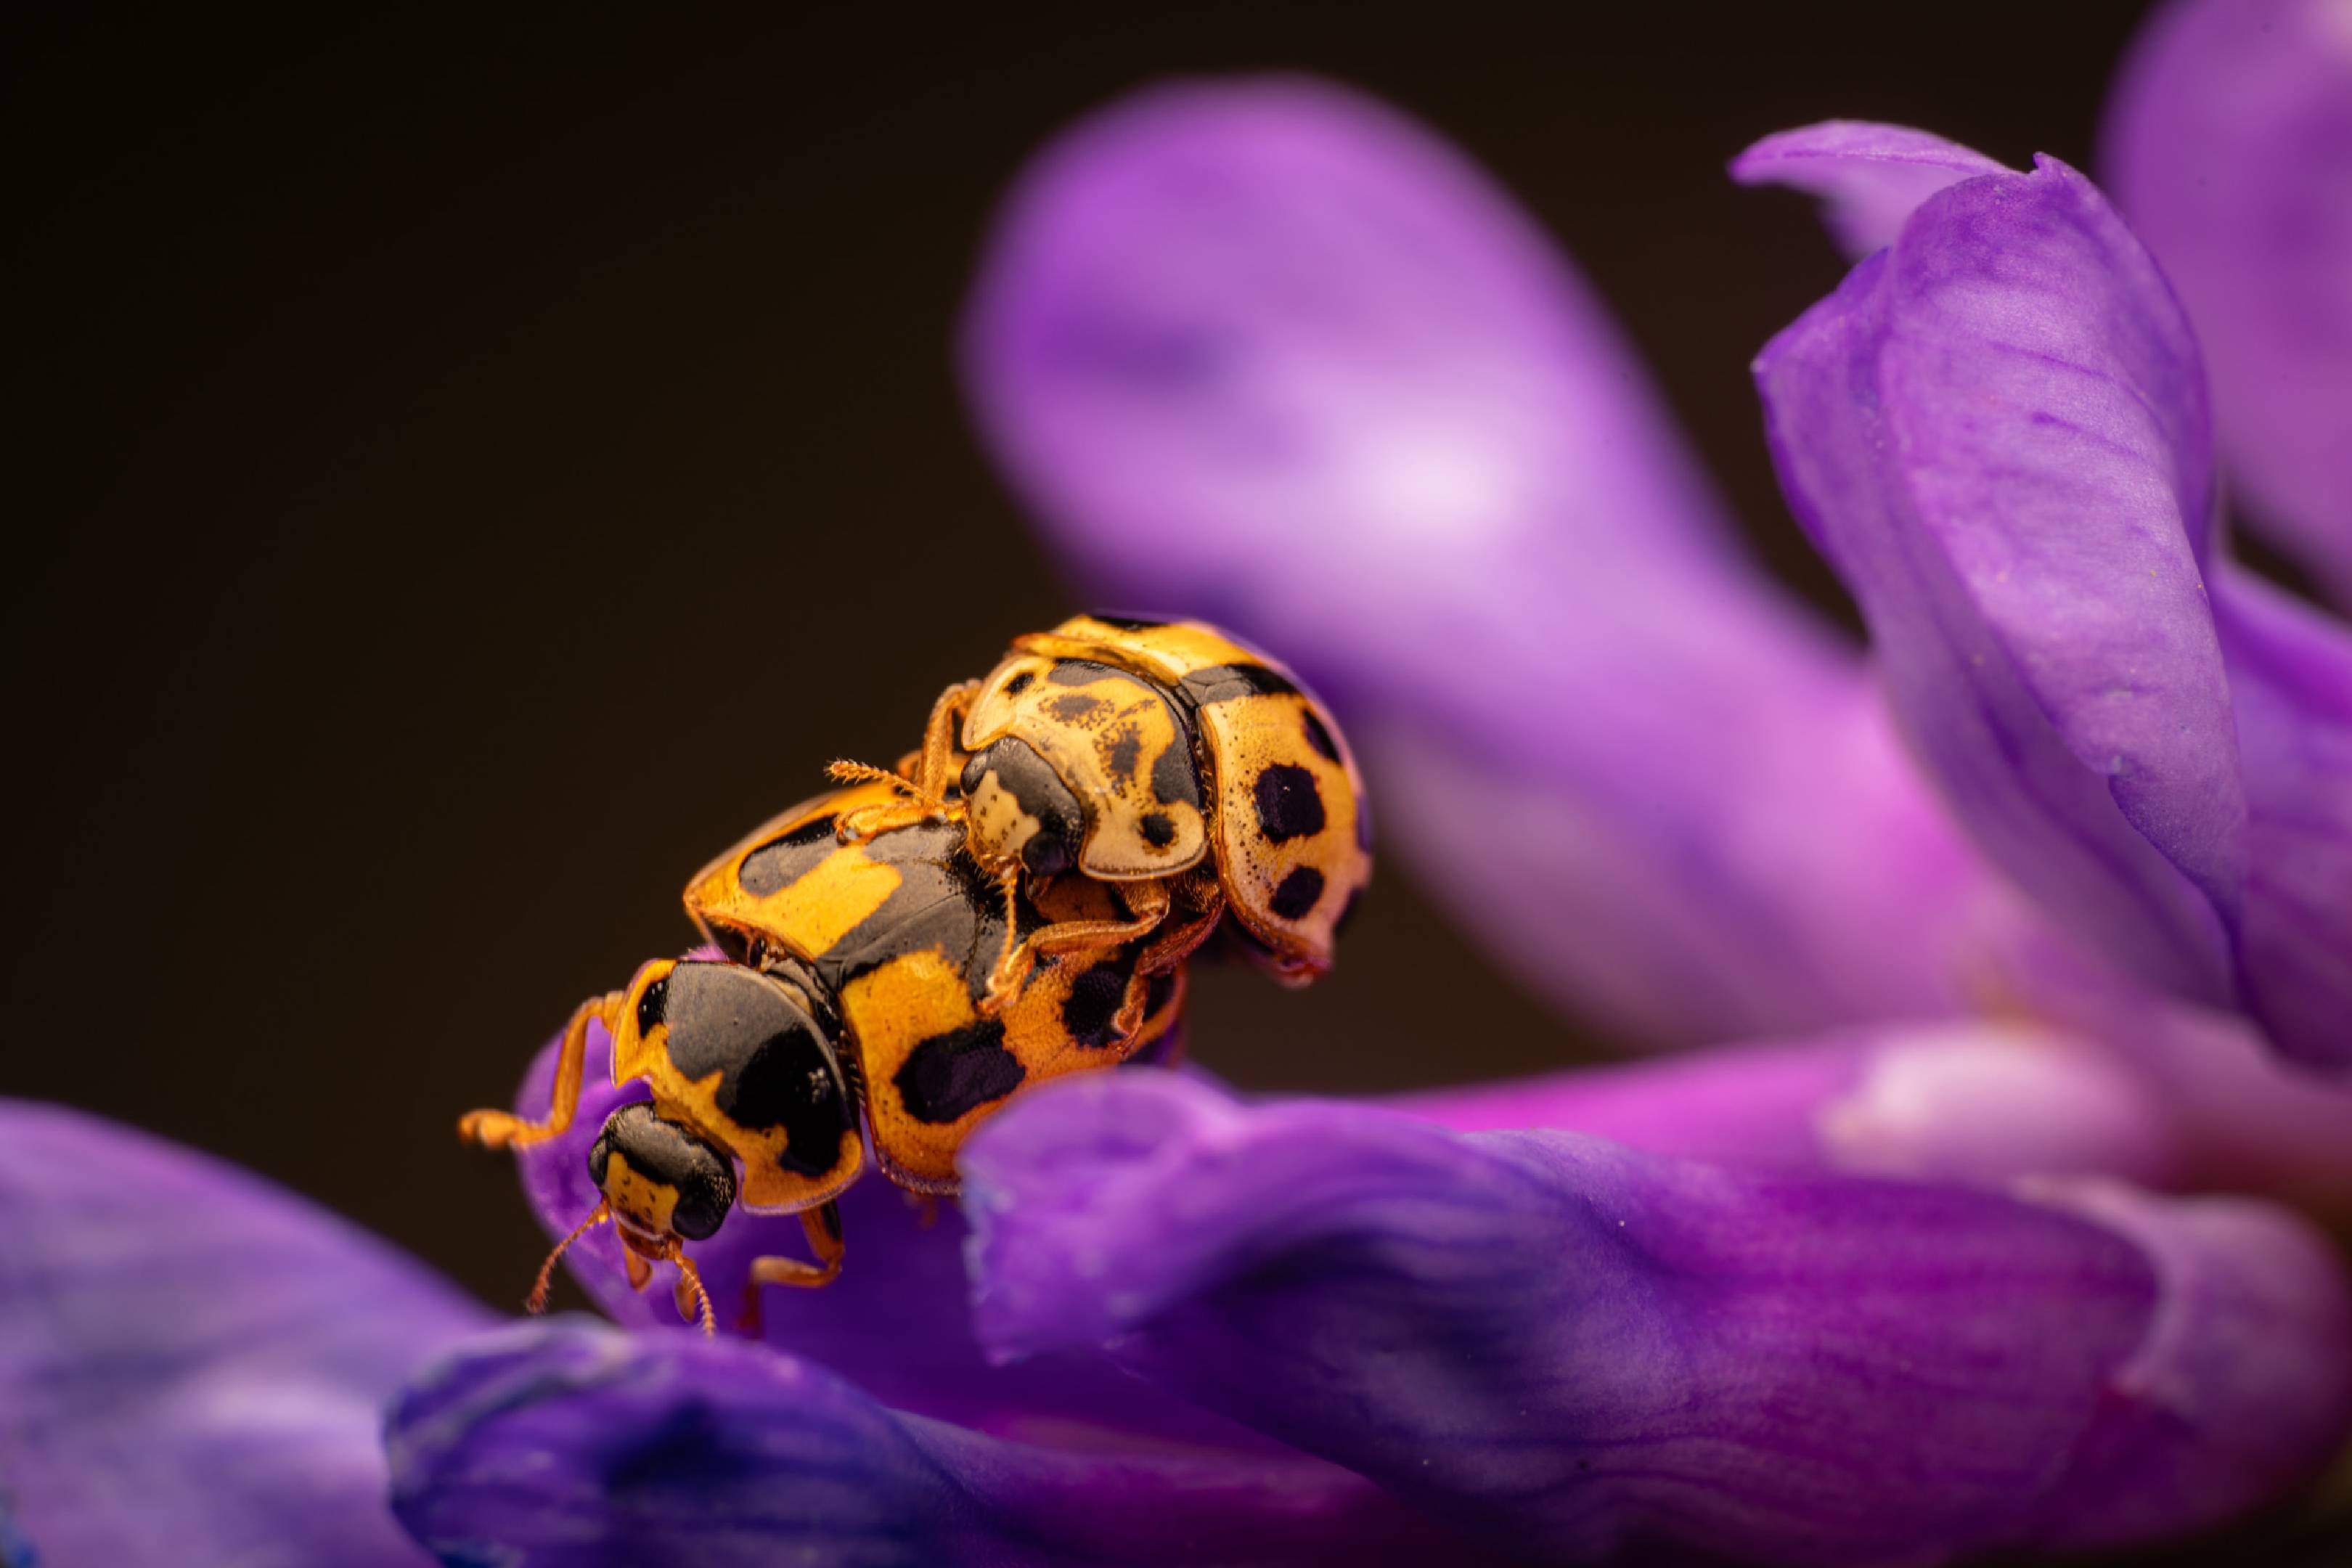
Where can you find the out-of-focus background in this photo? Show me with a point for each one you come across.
(459, 482)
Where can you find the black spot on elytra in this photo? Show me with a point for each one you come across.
(779, 863)
(776, 1069)
(1318, 736)
(1289, 805)
(949, 1076)
(1159, 829)
(1020, 683)
(1225, 682)
(1078, 708)
(1173, 782)
(1298, 893)
(1093, 1003)
(1126, 750)
(1126, 623)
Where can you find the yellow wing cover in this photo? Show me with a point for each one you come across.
(901, 935)
(1118, 742)
(1289, 822)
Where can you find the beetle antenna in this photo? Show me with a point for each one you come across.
(537, 1301)
(693, 1282)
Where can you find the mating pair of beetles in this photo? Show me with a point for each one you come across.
(1015, 902)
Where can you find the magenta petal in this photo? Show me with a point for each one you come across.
(2228, 142)
(1869, 177)
(1995, 430)
(572, 1446)
(193, 1364)
(1268, 353)
(2124, 1085)
(2290, 677)
(1578, 1348)
(1960, 1102)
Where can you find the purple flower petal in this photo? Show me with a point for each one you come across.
(1577, 1349)
(2229, 140)
(1869, 177)
(193, 1364)
(1996, 432)
(1268, 353)
(568, 1445)
(2291, 682)
(2129, 1087)
(895, 1322)
(1959, 1102)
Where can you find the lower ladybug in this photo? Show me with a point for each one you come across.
(852, 979)
(1165, 758)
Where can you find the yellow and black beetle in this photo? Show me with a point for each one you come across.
(853, 975)
(1164, 758)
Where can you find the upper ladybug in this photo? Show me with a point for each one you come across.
(1191, 773)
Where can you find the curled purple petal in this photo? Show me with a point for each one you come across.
(2228, 142)
(1268, 353)
(192, 1363)
(1869, 177)
(1579, 1348)
(568, 1445)
(895, 1322)
(2290, 683)
(1995, 430)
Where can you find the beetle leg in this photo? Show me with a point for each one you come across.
(1174, 944)
(504, 1130)
(1148, 899)
(822, 1226)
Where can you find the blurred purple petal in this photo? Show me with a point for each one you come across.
(1995, 430)
(569, 1445)
(896, 1322)
(2291, 682)
(193, 1364)
(1976, 1102)
(2229, 142)
(1269, 352)
(1869, 177)
(1578, 1348)
(2119, 1084)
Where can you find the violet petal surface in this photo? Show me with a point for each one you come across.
(1578, 1348)
(193, 1364)
(2229, 143)
(571, 1445)
(1996, 432)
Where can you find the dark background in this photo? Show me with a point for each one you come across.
(458, 481)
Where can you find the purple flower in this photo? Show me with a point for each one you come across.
(2017, 910)
(1266, 352)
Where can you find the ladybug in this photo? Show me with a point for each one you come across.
(1165, 759)
(849, 980)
